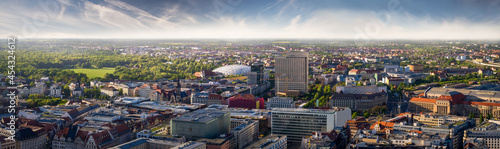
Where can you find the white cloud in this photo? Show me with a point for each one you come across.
(116, 19)
(293, 24)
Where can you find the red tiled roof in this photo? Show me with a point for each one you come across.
(214, 96)
(243, 96)
(121, 129)
(101, 137)
(484, 103)
(383, 125)
(144, 85)
(67, 119)
(419, 132)
(62, 132)
(455, 99)
(73, 113)
(355, 71)
(82, 134)
(107, 125)
(415, 99)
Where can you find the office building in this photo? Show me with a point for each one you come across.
(256, 75)
(246, 101)
(280, 102)
(143, 143)
(292, 71)
(224, 141)
(204, 123)
(488, 134)
(298, 123)
(271, 141)
(359, 97)
(349, 89)
(207, 99)
(416, 67)
(245, 133)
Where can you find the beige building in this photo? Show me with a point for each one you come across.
(358, 101)
(292, 71)
(437, 120)
(457, 102)
(416, 67)
(7, 143)
(430, 105)
(110, 91)
(126, 89)
(207, 99)
(359, 97)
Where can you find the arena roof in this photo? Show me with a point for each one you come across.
(232, 69)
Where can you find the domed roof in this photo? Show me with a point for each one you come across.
(232, 69)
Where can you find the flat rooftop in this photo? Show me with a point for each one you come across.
(264, 142)
(325, 111)
(201, 116)
(131, 144)
(240, 127)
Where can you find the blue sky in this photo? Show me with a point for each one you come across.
(329, 19)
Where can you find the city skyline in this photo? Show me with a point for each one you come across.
(239, 19)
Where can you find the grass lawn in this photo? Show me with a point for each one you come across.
(92, 73)
(238, 78)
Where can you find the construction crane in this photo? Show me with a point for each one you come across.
(278, 86)
(278, 82)
(278, 79)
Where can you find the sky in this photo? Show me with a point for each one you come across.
(249, 19)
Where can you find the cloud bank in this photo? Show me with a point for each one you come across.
(322, 19)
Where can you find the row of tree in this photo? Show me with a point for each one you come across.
(56, 64)
(37, 100)
(481, 117)
(321, 96)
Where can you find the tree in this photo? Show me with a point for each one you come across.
(66, 91)
(366, 114)
(383, 109)
(97, 91)
(481, 118)
(48, 84)
(316, 96)
(354, 115)
(32, 84)
(489, 116)
(471, 115)
(320, 89)
(120, 92)
(327, 90)
(108, 76)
